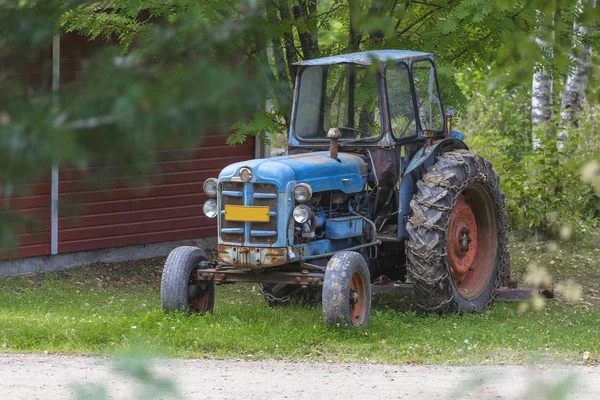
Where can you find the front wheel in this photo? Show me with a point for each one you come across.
(347, 290)
(178, 289)
(457, 235)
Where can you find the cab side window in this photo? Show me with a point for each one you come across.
(402, 112)
(428, 101)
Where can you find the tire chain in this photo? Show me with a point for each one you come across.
(279, 300)
(503, 241)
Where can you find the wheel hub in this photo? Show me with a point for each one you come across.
(462, 240)
(356, 299)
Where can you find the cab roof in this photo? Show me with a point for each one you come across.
(366, 57)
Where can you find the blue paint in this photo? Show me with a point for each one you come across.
(282, 211)
(457, 135)
(323, 246)
(348, 173)
(264, 195)
(247, 202)
(259, 233)
(232, 230)
(344, 227)
(321, 218)
(232, 193)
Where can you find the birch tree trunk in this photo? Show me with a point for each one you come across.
(577, 80)
(541, 91)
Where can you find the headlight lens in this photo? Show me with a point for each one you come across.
(301, 213)
(245, 174)
(210, 208)
(210, 187)
(302, 192)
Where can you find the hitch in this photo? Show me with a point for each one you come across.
(306, 278)
(502, 294)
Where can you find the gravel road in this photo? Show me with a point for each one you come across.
(56, 377)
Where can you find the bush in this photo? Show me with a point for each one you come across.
(542, 185)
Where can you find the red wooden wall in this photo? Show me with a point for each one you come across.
(165, 206)
(169, 208)
(33, 200)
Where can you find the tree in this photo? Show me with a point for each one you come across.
(183, 66)
(581, 53)
(580, 36)
(168, 83)
(541, 91)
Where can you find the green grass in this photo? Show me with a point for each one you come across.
(106, 309)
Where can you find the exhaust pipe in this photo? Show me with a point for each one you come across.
(334, 135)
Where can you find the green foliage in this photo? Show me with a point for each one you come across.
(260, 123)
(542, 186)
(136, 367)
(185, 75)
(185, 66)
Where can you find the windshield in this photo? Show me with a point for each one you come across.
(342, 96)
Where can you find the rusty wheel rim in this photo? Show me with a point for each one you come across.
(472, 241)
(198, 294)
(357, 300)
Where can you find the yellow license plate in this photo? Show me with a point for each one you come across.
(247, 213)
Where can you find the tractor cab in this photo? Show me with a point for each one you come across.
(375, 99)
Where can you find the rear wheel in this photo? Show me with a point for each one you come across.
(457, 235)
(178, 289)
(347, 290)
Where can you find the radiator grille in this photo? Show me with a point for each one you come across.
(231, 200)
(271, 226)
(249, 194)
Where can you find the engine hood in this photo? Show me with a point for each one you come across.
(348, 174)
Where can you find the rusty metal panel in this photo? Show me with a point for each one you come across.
(221, 275)
(252, 257)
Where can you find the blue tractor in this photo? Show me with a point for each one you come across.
(377, 193)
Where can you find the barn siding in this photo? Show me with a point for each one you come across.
(167, 209)
(164, 206)
(32, 200)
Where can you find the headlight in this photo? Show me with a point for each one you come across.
(301, 214)
(210, 208)
(245, 174)
(210, 187)
(302, 192)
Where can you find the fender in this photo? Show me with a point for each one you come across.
(424, 158)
